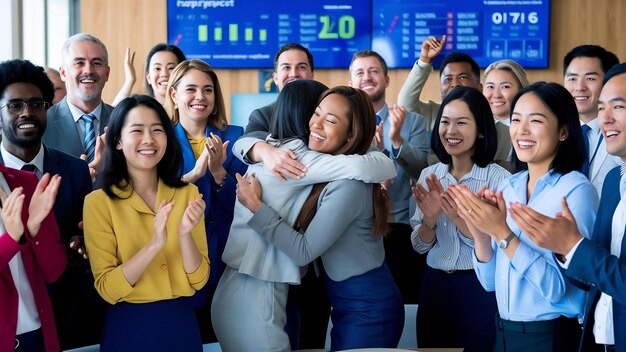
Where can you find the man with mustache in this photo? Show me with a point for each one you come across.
(77, 121)
(25, 93)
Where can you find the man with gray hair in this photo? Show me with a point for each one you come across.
(77, 121)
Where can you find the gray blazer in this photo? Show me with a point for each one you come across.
(250, 254)
(341, 231)
(61, 132)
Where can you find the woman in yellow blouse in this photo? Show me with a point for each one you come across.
(144, 232)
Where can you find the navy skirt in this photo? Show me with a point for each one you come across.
(368, 311)
(168, 325)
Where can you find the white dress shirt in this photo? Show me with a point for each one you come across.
(27, 317)
(603, 316)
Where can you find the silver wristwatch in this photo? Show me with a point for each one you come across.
(505, 242)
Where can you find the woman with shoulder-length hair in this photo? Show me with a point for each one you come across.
(196, 108)
(538, 309)
(454, 309)
(144, 231)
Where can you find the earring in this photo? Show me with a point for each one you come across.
(175, 106)
(562, 139)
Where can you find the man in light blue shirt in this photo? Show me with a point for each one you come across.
(402, 136)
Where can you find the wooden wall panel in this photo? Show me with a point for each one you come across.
(140, 24)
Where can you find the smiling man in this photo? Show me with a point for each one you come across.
(25, 93)
(402, 136)
(76, 121)
(584, 68)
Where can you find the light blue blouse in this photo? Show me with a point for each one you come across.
(451, 250)
(531, 287)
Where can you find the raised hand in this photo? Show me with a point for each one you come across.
(486, 217)
(42, 201)
(217, 153)
(558, 235)
(12, 214)
(160, 221)
(429, 201)
(378, 140)
(397, 115)
(249, 192)
(97, 156)
(431, 47)
(192, 216)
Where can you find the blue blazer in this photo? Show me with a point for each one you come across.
(594, 265)
(218, 214)
(61, 132)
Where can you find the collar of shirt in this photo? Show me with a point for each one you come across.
(383, 112)
(14, 162)
(519, 183)
(78, 113)
(478, 173)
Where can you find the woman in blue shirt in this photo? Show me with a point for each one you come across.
(197, 110)
(538, 309)
(453, 307)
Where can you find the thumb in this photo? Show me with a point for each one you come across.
(291, 154)
(566, 213)
(83, 157)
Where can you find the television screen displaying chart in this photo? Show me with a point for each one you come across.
(247, 33)
(487, 30)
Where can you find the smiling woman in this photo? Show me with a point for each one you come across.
(533, 296)
(144, 232)
(196, 107)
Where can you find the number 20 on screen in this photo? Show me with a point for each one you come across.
(332, 28)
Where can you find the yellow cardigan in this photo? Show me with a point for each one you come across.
(116, 229)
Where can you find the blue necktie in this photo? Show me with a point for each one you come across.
(90, 136)
(378, 119)
(585, 169)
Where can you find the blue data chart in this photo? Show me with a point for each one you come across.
(247, 33)
(487, 30)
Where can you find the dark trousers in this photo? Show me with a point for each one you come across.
(455, 311)
(31, 341)
(308, 311)
(406, 265)
(557, 335)
(203, 315)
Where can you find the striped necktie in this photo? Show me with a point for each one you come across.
(90, 136)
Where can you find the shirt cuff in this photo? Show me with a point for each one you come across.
(422, 64)
(569, 255)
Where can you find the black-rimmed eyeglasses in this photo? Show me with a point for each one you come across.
(16, 107)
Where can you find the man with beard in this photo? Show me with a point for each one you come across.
(25, 93)
(76, 122)
(401, 135)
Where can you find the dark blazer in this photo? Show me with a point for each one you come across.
(220, 202)
(44, 261)
(61, 132)
(594, 265)
(259, 120)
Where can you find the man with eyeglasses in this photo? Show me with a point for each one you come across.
(26, 93)
(77, 122)
(30, 256)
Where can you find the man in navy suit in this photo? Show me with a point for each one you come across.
(599, 263)
(25, 93)
(82, 112)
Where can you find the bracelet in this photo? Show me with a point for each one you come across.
(433, 227)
